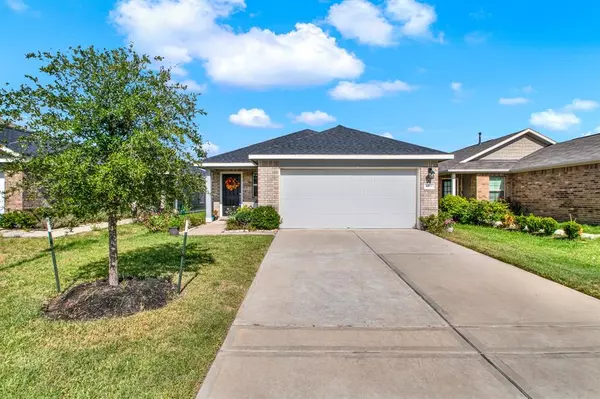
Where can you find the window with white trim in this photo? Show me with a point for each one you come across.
(496, 188)
(446, 187)
(255, 184)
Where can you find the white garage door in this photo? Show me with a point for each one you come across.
(348, 198)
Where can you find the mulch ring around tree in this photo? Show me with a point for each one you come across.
(97, 300)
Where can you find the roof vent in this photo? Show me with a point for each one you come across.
(479, 138)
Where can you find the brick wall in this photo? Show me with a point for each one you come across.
(483, 187)
(429, 198)
(247, 186)
(13, 200)
(560, 192)
(268, 183)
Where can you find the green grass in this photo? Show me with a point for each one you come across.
(575, 264)
(155, 354)
(591, 229)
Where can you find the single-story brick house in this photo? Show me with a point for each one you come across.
(546, 178)
(337, 178)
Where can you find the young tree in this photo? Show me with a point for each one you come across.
(110, 131)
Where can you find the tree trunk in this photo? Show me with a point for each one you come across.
(113, 254)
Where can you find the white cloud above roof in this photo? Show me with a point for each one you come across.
(254, 117)
(513, 101)
(315, 118)
(365, 91)
(361, 20)
(553, 120)
(582, 105)
(188, 30)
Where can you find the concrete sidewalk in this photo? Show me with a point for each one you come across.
(387, 314)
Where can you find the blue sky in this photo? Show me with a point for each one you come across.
(429, 72)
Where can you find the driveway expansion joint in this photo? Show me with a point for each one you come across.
(445, 317)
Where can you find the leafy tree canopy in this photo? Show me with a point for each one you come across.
(110, 130)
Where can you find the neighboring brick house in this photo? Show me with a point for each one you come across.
(548, 179)
(11, 198)
(338, 178)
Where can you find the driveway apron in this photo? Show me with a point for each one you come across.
(401, 313)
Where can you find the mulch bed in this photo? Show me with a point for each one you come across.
(97, 300)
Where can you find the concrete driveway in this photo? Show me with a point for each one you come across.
(402, 313)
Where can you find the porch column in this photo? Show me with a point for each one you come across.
(453, 183)
(208, 201)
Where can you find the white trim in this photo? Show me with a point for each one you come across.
(208, 200)
(2, 191)
(352, 167)
(308, 156)
(4, 160)
(227, 165)
(8, 150)
(225, 172)
(478, 170)
(508, 140)
(419, 210)
(453, 180)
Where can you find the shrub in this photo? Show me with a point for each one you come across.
(196, 219)
(241, 219)
(485, 212)
(17, 220)
(455, 207)
(156, 222)
(534, 223)
(573, 230)
(549, 226)
(434, 224)
(265, 218)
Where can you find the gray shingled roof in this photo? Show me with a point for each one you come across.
(468, 152)
(9, 137)
(482, 165)
(241, 155)
(339, 140)
(583, 150)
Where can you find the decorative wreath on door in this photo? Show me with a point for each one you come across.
(231, 183)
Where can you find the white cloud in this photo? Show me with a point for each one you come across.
(476, 37)
(194, 86)
(187, 30)
(388, 135)
(254, 117)
(210, 149)
(456, 86)
(415, 129)
(527, 89)
(315, 118)
(416, 17)
(553, 120)
(582, 105)
(366, 91)
(17, 5)
(361, 20)
(513, 101)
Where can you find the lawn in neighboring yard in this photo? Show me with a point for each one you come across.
(575, 264)
(155, 354)
(592, 229)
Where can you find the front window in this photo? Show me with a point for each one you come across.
(446, 187)
(496, 188)
(255, 184)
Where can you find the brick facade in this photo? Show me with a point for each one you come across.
(247, 186)
(13, 200)
(560, 193)
(482, 187)
(428, 198)
(268, 183)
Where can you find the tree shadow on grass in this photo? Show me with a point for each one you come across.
(151, 262)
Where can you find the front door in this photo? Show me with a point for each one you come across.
(231, 187)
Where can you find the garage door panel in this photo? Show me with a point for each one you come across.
(348, 198)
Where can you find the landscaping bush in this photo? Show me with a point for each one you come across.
(485, 212)
(196, 219)
(156, 222)
(18, 220)
(573, 230)
(455, 207)
(265, 218)
(434, 224)
(549, 226)
(241, 219)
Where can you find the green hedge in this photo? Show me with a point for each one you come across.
(259, 218)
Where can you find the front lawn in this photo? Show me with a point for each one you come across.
(155, 354)
(592, 229)
(575, 264)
